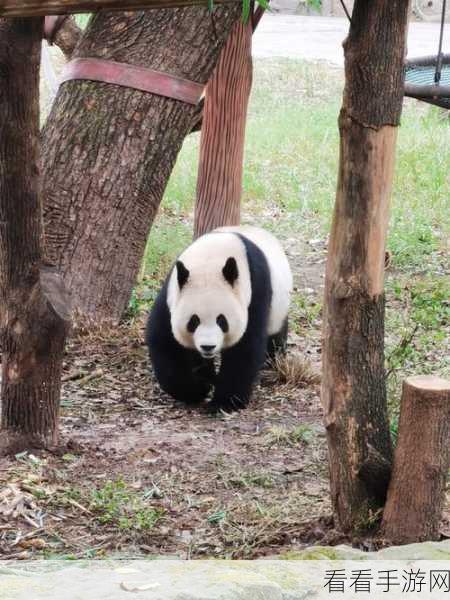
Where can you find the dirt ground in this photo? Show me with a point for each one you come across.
(138, 474)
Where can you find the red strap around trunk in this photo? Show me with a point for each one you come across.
(138, 78)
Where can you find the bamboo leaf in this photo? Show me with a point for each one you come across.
(245, 10)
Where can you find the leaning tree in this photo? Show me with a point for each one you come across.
(108, 150)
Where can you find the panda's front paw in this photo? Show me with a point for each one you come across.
(228, 405)
(205, 374)
(197, 394)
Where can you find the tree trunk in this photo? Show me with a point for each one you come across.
(66, 34)
(219, 183)
(422, 459)
(109, 150)
(353, 385)
(41, 8)
(34, 319)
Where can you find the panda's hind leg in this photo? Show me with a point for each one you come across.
(277, 343)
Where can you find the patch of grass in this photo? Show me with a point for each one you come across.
(277, 435)
(179, 196)
(420, 221)
(293, 369)
(394, 427)
(142, 298)
(418, 332)
(217, 517)
(252, 479)
(291, 160)
(305, 311)
(233, 476)
(117, 504)
(168, 239)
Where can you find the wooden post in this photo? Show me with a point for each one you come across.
(353, 383)
(422, 458)
(219, 183)
(34, 317)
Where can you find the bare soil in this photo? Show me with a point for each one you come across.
(137, 474)
(245, 485)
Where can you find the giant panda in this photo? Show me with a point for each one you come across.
(227, 294)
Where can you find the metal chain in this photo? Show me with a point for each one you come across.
(346, 10)
(440, 56)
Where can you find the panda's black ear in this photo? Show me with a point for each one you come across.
(230, 270)
(182, 273)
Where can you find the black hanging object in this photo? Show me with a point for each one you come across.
(346, 10)
(428, 78)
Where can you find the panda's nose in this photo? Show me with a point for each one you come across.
(206, 348)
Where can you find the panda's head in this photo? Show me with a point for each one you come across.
(207, 314)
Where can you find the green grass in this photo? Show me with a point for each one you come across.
(420, 221)
(306, 310)
(82, 20)
(251, 479)
(418, 328)
(117, 504)
(291, 159)
(169, 236)
(278, 435)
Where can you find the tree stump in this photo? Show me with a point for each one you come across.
(422, 458)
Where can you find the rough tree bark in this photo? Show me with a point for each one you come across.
(67, 36)
(353, 385)
(219, 182)
(34, 319)
(108, 150)
(413, 509)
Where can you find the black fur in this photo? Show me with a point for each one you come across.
(277, 343)
(182, 273)
(187, 376)
(182, 373)
(230, 271)
(241, 363)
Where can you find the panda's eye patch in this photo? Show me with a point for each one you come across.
(194, 322)
(222, 323)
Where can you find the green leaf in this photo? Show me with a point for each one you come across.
(217, 517)
(245, 10)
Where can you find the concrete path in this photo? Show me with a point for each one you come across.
(320, 38)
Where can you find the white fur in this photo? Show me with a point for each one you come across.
(207, 294)
(280, 272)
